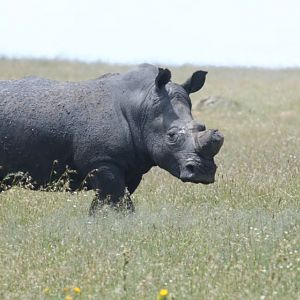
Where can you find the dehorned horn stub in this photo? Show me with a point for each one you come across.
(209, 142)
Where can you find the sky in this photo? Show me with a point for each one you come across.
(263, 33)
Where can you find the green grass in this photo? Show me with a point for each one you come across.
(236, 239)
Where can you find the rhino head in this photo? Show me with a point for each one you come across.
(175, 141)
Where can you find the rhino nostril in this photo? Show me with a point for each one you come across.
(190, 169)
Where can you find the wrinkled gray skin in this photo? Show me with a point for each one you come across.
(117, 127)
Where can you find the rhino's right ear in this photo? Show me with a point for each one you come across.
(162, 78)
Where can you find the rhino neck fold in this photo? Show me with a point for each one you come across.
(137, 86)
(133, 111)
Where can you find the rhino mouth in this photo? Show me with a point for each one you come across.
(200, 170)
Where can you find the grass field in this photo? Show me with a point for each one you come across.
(236, 239)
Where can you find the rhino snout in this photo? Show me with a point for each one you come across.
(199, 172)
(209, 142)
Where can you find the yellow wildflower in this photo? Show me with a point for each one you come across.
(68, 297)
(163, 294)
(46, 290)
(77, 290)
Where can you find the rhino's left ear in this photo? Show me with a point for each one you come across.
(195, 83)
(162, 78)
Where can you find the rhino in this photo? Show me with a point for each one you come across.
(110, 131)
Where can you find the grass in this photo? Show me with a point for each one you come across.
(236, 239)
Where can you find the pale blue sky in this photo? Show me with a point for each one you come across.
(232, 32)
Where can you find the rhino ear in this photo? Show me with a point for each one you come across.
(195, 83)
(162, 78)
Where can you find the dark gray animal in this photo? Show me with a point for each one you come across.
(115, 127)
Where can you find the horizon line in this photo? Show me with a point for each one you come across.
(60, 58)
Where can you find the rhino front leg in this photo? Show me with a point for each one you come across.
(108, 181)
(131, 185)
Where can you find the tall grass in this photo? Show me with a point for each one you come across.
(236, 239)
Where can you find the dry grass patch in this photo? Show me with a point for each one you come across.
(236, 239)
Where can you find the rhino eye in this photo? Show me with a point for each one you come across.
(172, 137)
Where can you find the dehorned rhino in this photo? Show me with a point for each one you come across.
(110, 130)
